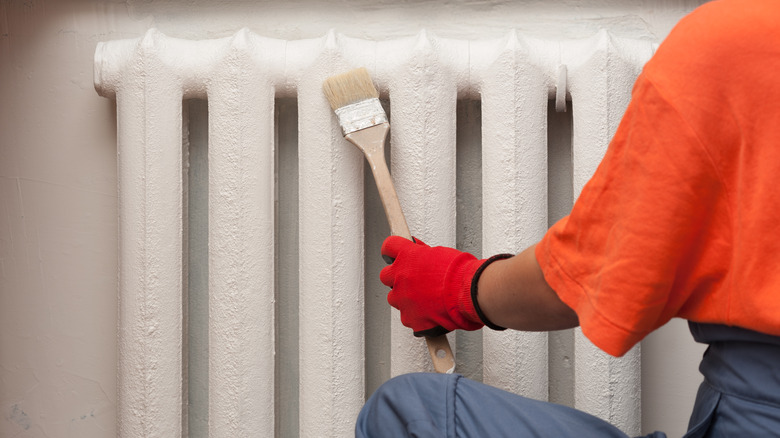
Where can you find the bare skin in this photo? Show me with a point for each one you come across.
(514, 294)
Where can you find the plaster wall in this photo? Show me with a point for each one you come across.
(58, 171)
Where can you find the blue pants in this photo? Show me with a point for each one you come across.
(740, 396)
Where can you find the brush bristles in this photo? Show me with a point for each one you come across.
(348, 88)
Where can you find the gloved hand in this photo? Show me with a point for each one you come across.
(433, 287)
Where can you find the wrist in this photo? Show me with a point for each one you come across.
(474, 291)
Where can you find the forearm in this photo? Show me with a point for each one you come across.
(513, 293)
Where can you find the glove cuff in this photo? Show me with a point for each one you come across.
(474, 291)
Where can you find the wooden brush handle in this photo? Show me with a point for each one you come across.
(371, 142)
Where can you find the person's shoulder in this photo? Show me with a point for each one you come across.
(727, 24)
(717, 42)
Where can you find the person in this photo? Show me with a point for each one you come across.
(678, 221)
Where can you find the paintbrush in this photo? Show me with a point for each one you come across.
(355, 100)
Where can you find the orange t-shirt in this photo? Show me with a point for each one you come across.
(682, 217)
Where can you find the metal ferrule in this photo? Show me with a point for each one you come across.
(361, 115)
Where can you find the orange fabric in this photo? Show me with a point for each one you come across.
(682, 217)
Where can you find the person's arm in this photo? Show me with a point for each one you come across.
(513, 293)
(435, 289)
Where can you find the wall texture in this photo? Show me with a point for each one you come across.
(58, 220)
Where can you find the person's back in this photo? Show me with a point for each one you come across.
(721, 71)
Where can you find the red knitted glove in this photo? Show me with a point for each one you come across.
(433, 287)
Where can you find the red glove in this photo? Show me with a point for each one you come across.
(433, 287)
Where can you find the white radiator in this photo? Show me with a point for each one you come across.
(422, 77)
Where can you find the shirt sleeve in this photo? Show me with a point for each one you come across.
(638, 244)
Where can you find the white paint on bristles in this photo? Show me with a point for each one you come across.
(423, 77)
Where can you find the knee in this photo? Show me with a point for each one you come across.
(398, 391)
(399, 401)
(410, 388)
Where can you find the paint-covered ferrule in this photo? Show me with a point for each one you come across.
(361, 115)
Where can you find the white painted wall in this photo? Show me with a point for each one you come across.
(58, 171)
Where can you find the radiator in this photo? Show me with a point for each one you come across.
(422, 78)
